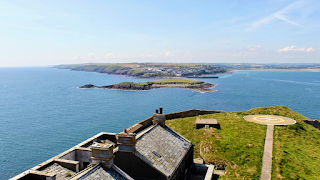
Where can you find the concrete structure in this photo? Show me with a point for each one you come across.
(270, 121)
(267, 154)
(200, 123)
(146, 150)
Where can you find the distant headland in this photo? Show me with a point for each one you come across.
(199, 86)
(150, 70)
(184, 70)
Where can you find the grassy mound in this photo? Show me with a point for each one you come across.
(238, 145)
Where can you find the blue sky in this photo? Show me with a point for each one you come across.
(39, 33)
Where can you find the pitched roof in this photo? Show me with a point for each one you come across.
(162, 148)
(101, 172)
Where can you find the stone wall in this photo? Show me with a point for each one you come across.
(314, 123)
(70, 156)
(189, 113)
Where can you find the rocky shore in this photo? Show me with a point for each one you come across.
(130, 86)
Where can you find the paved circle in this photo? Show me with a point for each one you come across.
(270, 119)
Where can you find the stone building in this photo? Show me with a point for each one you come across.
(148, 150)
(158, 152)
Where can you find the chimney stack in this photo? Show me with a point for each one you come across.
(161, 109)
(102, 153)
(126, 142)
(159, 119)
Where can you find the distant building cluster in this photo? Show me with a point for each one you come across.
(175, 70)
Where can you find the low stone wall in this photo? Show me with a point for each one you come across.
(190, 113)
(182, 114)
(314, 123)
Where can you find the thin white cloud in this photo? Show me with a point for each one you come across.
(291, 22)
(250, 48)
(249, 51)
(109, 55)
(168, 53)
(310, 49)
(281, 15)
(93, 56)
(232, 4)
(291, 49)
(152, 55)
(77, 57)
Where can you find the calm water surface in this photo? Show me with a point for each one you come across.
(43, 113)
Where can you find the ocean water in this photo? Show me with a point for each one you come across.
(43, 113)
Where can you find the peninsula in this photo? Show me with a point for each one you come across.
(183, 70)
(199, 86)
(150, 70)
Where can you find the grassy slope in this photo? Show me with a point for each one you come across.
(176, 81)
(239, 144)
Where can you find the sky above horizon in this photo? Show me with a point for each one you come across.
(41, 33)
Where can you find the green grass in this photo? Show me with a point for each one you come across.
(127, 84)
(176, 81)
(296, 149)
(172, 81)
(239, 144)
(68, 174)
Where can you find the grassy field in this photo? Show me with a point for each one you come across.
(171, 81)
(238, 145)
(176, 81)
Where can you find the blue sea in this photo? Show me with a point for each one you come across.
(43, 113)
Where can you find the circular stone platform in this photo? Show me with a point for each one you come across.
(270, 119)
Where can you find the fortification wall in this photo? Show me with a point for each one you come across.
(189, 113)
(314, 123)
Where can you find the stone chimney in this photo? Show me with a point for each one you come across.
(126, 142)
(102, 153)
(159, 119)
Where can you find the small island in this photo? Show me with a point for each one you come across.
(199, 86)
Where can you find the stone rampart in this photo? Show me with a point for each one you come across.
(189, 113)
(314, 123)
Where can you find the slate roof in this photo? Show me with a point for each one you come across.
(59, 170)
(101, 172)
(162, 148)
